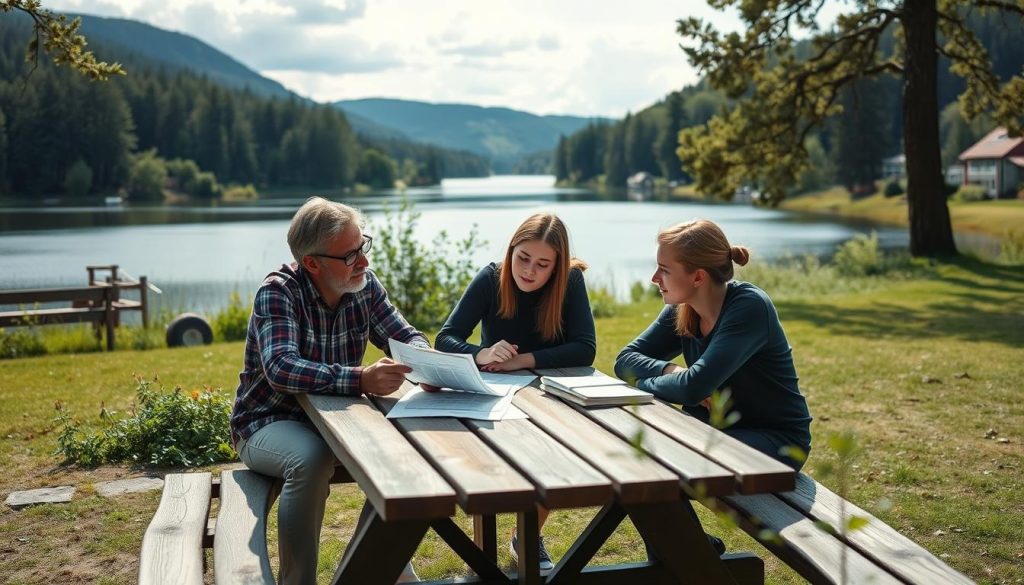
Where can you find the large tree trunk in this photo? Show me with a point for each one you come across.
(931, 233)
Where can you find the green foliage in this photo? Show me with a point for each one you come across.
(641, 289)
(603, 302)
(893, 188)
(377, 170)
(240, 193)
(19, 342)
(970, 193)
(164, 429)
(423, 282)
(232, 322)
(147, 177)
(60, 39)
(1011, 247)
(78, 180)
(860, 256)
(205, 186)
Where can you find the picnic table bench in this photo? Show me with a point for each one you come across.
(414, 472)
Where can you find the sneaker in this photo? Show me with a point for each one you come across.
(545, 558)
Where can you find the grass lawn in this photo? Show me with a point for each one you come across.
(994, 218)
(920, 368)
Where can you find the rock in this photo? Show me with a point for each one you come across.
(991, 433)
(930, 380)
(962, 376)
(109, 489)
(51, 495)
(1002, 440)
(939, 533)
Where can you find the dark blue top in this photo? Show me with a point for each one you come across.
(746, 351)
(479, 304)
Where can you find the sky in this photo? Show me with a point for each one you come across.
(577, 57)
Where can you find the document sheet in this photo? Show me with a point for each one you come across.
(444, 370)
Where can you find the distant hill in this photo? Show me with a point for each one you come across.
(177, 51)
(502, 134)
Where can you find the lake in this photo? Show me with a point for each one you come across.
(198, 253)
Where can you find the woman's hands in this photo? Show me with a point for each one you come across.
(499, 352)
(523, 361)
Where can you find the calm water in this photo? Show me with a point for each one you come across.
(199, 254)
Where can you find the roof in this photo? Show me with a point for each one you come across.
(1017, 160)
(996, 144)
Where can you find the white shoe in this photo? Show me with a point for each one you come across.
(408, 575)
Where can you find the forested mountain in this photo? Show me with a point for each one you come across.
(54, 121)
(502, 134)
(848, 150)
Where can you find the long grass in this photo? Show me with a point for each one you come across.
(923, 364)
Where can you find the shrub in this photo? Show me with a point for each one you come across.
(147, 176)
(893, 189)
(184, 172)
(20, 342)
(423, 282)
(641, 289)
(78, 179)
(205, 186)
(603, 302)
(1011, 248)
(232, 322)
(240, 193)
(860, 256)
(970, 193)
(165, 429)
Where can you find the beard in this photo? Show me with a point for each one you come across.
(354, 287)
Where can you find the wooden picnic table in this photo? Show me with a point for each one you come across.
(415, 470)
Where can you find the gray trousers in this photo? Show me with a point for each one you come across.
(294, 452)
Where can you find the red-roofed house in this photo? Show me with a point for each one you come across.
(995, 162)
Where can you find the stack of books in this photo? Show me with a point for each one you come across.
(596, 390)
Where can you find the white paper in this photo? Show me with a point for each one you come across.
(444, 370)
(419, 403)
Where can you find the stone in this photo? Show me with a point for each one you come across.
(109, 489)
(50, 495)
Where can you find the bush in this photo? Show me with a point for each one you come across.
(423, 282)
(147, 176)
(78, 179)
(205, 186)
(232, 322)
(640, 289)
(1011, 248)
(20, 342)
(893, 189)
(240, 193)
(184, 172)
(603, 302)
(165, 429)
(970, 193)
(860, 256)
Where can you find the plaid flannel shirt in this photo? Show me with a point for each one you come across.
(297, 344)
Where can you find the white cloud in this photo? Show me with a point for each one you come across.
(579, 57)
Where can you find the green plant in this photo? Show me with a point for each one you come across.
(970, 193)
(1011, 247)
(78, 179)
(240, 193)
(20, 342)
(893, 188)
(603, 302)
(641, 289)
(232, 322)
(147, 176)
(423, 282)
(860, 256)
(174, 428)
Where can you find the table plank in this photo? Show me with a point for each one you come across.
(635, 478)
(172, 549)
(904, 557)
(484, 482)
(563, 479)
(755, 472)
(397, 480)
(701, 476)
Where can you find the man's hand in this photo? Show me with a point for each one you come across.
(499, 352)
(383, 377)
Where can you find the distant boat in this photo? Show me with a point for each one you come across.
(113, 200)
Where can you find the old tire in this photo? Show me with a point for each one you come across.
(189, 329)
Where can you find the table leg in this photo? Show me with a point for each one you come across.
(485, 534)
(586, 546)
(378, 550)
(528, 535)
(479, 562)
(676, 536)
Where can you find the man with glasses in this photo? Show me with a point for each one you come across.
(308, 331)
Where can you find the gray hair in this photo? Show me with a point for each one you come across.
(317, 221)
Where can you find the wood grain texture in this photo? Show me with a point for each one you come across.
(172, 548)
(240, 540)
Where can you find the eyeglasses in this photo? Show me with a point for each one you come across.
(350, 258)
